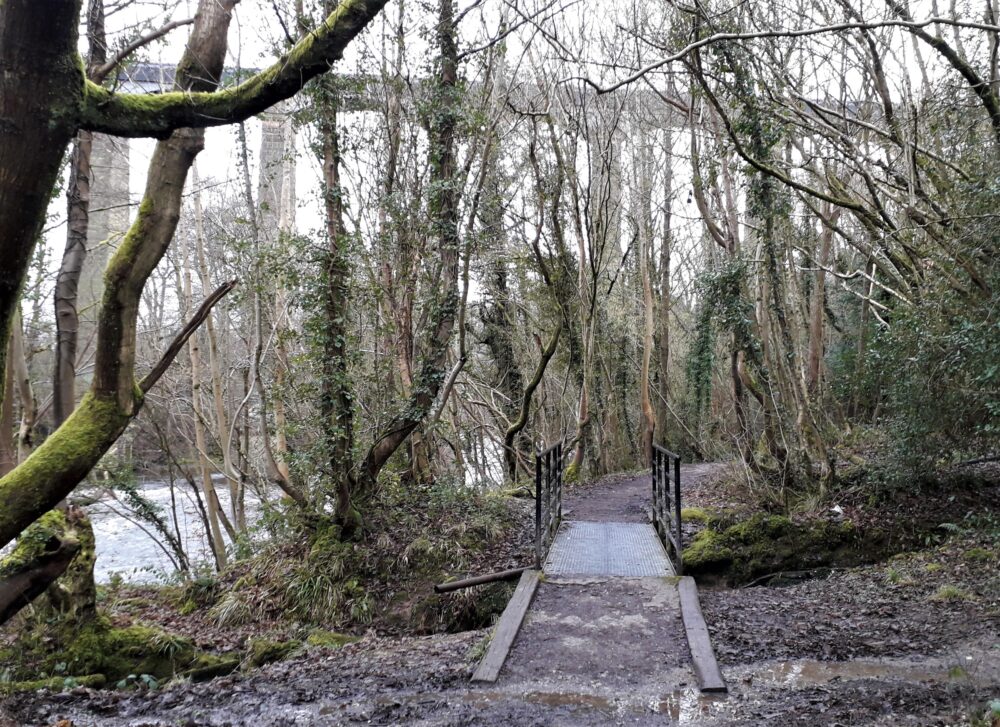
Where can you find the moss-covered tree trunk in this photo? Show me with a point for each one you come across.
(66, 457)
(41, 89)
(43, 553)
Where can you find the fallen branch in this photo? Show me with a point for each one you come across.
(504, 575)
(981, 460)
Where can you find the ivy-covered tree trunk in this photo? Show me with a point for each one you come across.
(336, 397)
(443, 214)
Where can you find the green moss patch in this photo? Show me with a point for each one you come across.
(767, 544)
(979, 555)
(55, 684)
(100, 649)
(265, 651)
(328, 639)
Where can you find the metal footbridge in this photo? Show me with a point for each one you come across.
(611, 562)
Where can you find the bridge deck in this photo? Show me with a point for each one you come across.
(629, 550)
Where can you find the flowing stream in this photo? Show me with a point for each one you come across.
(130, 549)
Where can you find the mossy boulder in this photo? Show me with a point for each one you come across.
(99, 648)
(765, 544)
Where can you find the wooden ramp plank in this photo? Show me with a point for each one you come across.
(507, 628)
(705, 666)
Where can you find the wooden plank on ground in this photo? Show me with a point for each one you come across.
(705, 666)
(507, 628)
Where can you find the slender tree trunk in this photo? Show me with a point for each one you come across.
(510, 452)
(17, 364)
(443, 212)
(862, 345)
(664, 295)
(272, 468)
(236, 504)
(67, 317)
(204, 466)
(8, 451)
(286, 226)
(817, 305)
(644, 220)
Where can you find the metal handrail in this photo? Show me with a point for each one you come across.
(548, 498)
(667, 503)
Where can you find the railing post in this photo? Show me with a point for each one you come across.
(559, 481)
(677, 514)
(654, 457)
(538, 512)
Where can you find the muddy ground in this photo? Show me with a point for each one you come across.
(912, 641)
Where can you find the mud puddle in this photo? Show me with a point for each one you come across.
(682, 706)
(975, 667)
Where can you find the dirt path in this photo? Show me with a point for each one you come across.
(626, 498)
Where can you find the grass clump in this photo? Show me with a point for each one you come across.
(412, 536)
(979, 555)
(696, 515)
(949, 592)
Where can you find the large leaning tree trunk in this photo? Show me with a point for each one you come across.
(114, 397)
(44, 100)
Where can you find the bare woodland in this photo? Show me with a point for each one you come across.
(763, 233)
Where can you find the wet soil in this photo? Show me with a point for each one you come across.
(913, 641)
(612, 632)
